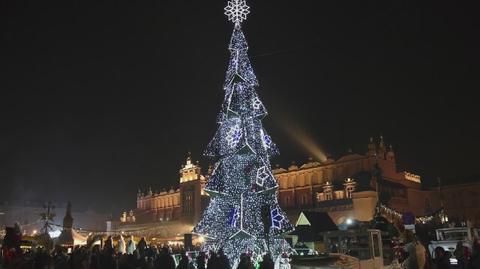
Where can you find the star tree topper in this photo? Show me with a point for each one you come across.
(237, 11)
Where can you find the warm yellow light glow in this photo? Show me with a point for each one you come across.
(201, 239)
(301, 137)
(412, 177)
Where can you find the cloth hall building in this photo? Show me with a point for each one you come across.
(344, 188)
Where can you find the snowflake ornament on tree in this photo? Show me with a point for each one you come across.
(262, 175)
(237, 11)
(266, 140)
(277, 218)
(233, 136)
(234, 217)
(257, 104)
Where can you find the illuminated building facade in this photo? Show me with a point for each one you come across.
(461, 202)
(184, 204)
(345, 188)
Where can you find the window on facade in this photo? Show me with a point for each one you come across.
(301, 180)
(328, 195)
(428, 205)
(190, 202)
(348, 191)
(376, 245)
(308, 180)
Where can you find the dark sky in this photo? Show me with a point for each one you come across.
(100, 98)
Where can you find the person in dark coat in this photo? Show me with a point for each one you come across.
(245, 262)
(267, 262)
(95, 258)
(212, 262)
(61, 260)
(142, 247)
(11, 244)
(165, 260)
(184, 262)
(40, 260)
(201, 260)
(461, 253)
(476, 254)
(442, 259)
(223, 262)
(108, 246)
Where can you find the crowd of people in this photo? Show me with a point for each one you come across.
(416, 256)
(413, 254)
(128, 254)
(125, 254)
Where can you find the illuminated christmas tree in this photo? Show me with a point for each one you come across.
(243, 214)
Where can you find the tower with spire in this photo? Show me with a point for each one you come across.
(69, 237)
(372, 148)
(382, 150)
(68, 219)
(192, 183)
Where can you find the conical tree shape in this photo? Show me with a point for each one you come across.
(242, 185)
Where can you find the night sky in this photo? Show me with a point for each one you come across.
(101, 98)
